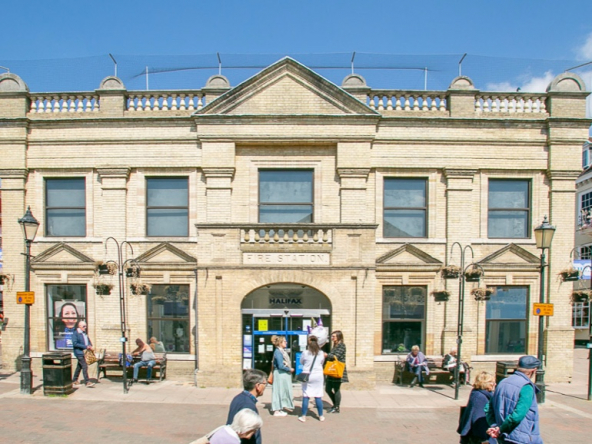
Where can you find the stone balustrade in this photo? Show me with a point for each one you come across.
(524, 103)
(165, 101)
(278, 234)
(64, 103)
(392, 100)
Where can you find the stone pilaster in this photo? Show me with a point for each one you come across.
(113, 220)
(353, 195)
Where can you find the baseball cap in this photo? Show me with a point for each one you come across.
(529, 362)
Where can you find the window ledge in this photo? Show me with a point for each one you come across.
(410, 240)
(70, 240)
(513, 240)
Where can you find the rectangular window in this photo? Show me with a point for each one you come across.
(286, 196)
(66, 305)
(509, 209)
(167, 206)
(65, 207)
(168, 316)
(405, 208)
(403, 318)
(585, 252)
(581, 315)
(505, 315)
(586, 201)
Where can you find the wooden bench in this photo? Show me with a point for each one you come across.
(109, 361)
(437, 375)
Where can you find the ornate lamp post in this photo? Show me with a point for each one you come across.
(461, 309)
(543, 235)
(29, 225)
(121, 265)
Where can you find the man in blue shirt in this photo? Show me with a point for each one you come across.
(513, 412)
(254, 383)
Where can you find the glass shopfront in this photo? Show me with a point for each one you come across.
(284, 310)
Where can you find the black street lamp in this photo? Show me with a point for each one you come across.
(461, 309)
(121, 266)
(543, 235)
(29, 225)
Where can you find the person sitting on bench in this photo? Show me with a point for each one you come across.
(449, 364)
(147, 360)
(417, 363)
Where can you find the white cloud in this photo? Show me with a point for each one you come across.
(584, 52)
(530, 84)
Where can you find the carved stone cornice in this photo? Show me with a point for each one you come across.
(361, 173)
(219, 172)
(458, 173)
(114, 173)
(20, 173)
(563, 174)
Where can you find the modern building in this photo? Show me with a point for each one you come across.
(252, 210)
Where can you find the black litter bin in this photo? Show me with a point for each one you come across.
(57, 373)
(503, 369)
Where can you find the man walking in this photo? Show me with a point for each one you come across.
(81, 342)
(254, 383)
(513, 413)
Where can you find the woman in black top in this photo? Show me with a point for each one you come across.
(333, 385)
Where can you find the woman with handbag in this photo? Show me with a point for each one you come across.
(281, 389)
(333, 384)
(312, 377)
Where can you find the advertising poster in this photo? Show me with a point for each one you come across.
(66, 314)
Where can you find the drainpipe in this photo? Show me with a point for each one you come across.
(196, 330)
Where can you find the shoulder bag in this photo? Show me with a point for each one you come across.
(89, 356)
(334, 369)
(206, 439)
(304, 377)
(270, 377)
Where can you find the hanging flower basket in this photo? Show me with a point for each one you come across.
(482, 293)
(450, 272)
(106, 268)
(473, 274)
(133, 271)
(6, 279)
(569, 274)
(580, 296)
(139, 288)
(103, 289)
(440, 295)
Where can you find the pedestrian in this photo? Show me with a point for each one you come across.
(254, 383)
(282, 396)
(244, 425)
(512, 413)
(80, 343)
(312, 363)
(333, 385)
(473, 425)
(417, 363)
(147, 360)
(156, 345)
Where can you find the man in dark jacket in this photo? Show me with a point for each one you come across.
(254, 383)
(513, 412)
(81, 342)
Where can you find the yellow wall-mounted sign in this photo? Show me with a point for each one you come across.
(25, 297)
(542, 309)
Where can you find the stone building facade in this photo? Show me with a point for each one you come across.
(252, 209)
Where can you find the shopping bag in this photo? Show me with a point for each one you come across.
(334, 369)
(89, 356)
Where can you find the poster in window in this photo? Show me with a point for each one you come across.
(67, 314)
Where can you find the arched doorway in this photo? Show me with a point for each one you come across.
(280, 309)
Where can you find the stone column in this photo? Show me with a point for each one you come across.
(353, 168)
(218, 169)
(112, 220)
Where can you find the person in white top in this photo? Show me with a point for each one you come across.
(245, 423)
(312, 361)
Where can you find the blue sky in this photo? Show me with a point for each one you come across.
(79, 35)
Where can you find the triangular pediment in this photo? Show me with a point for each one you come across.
(62, 254)
(408, 256)
(166, 253)
(511, 255)
(286, 88)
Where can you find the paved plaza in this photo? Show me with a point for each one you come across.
(170, 412)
